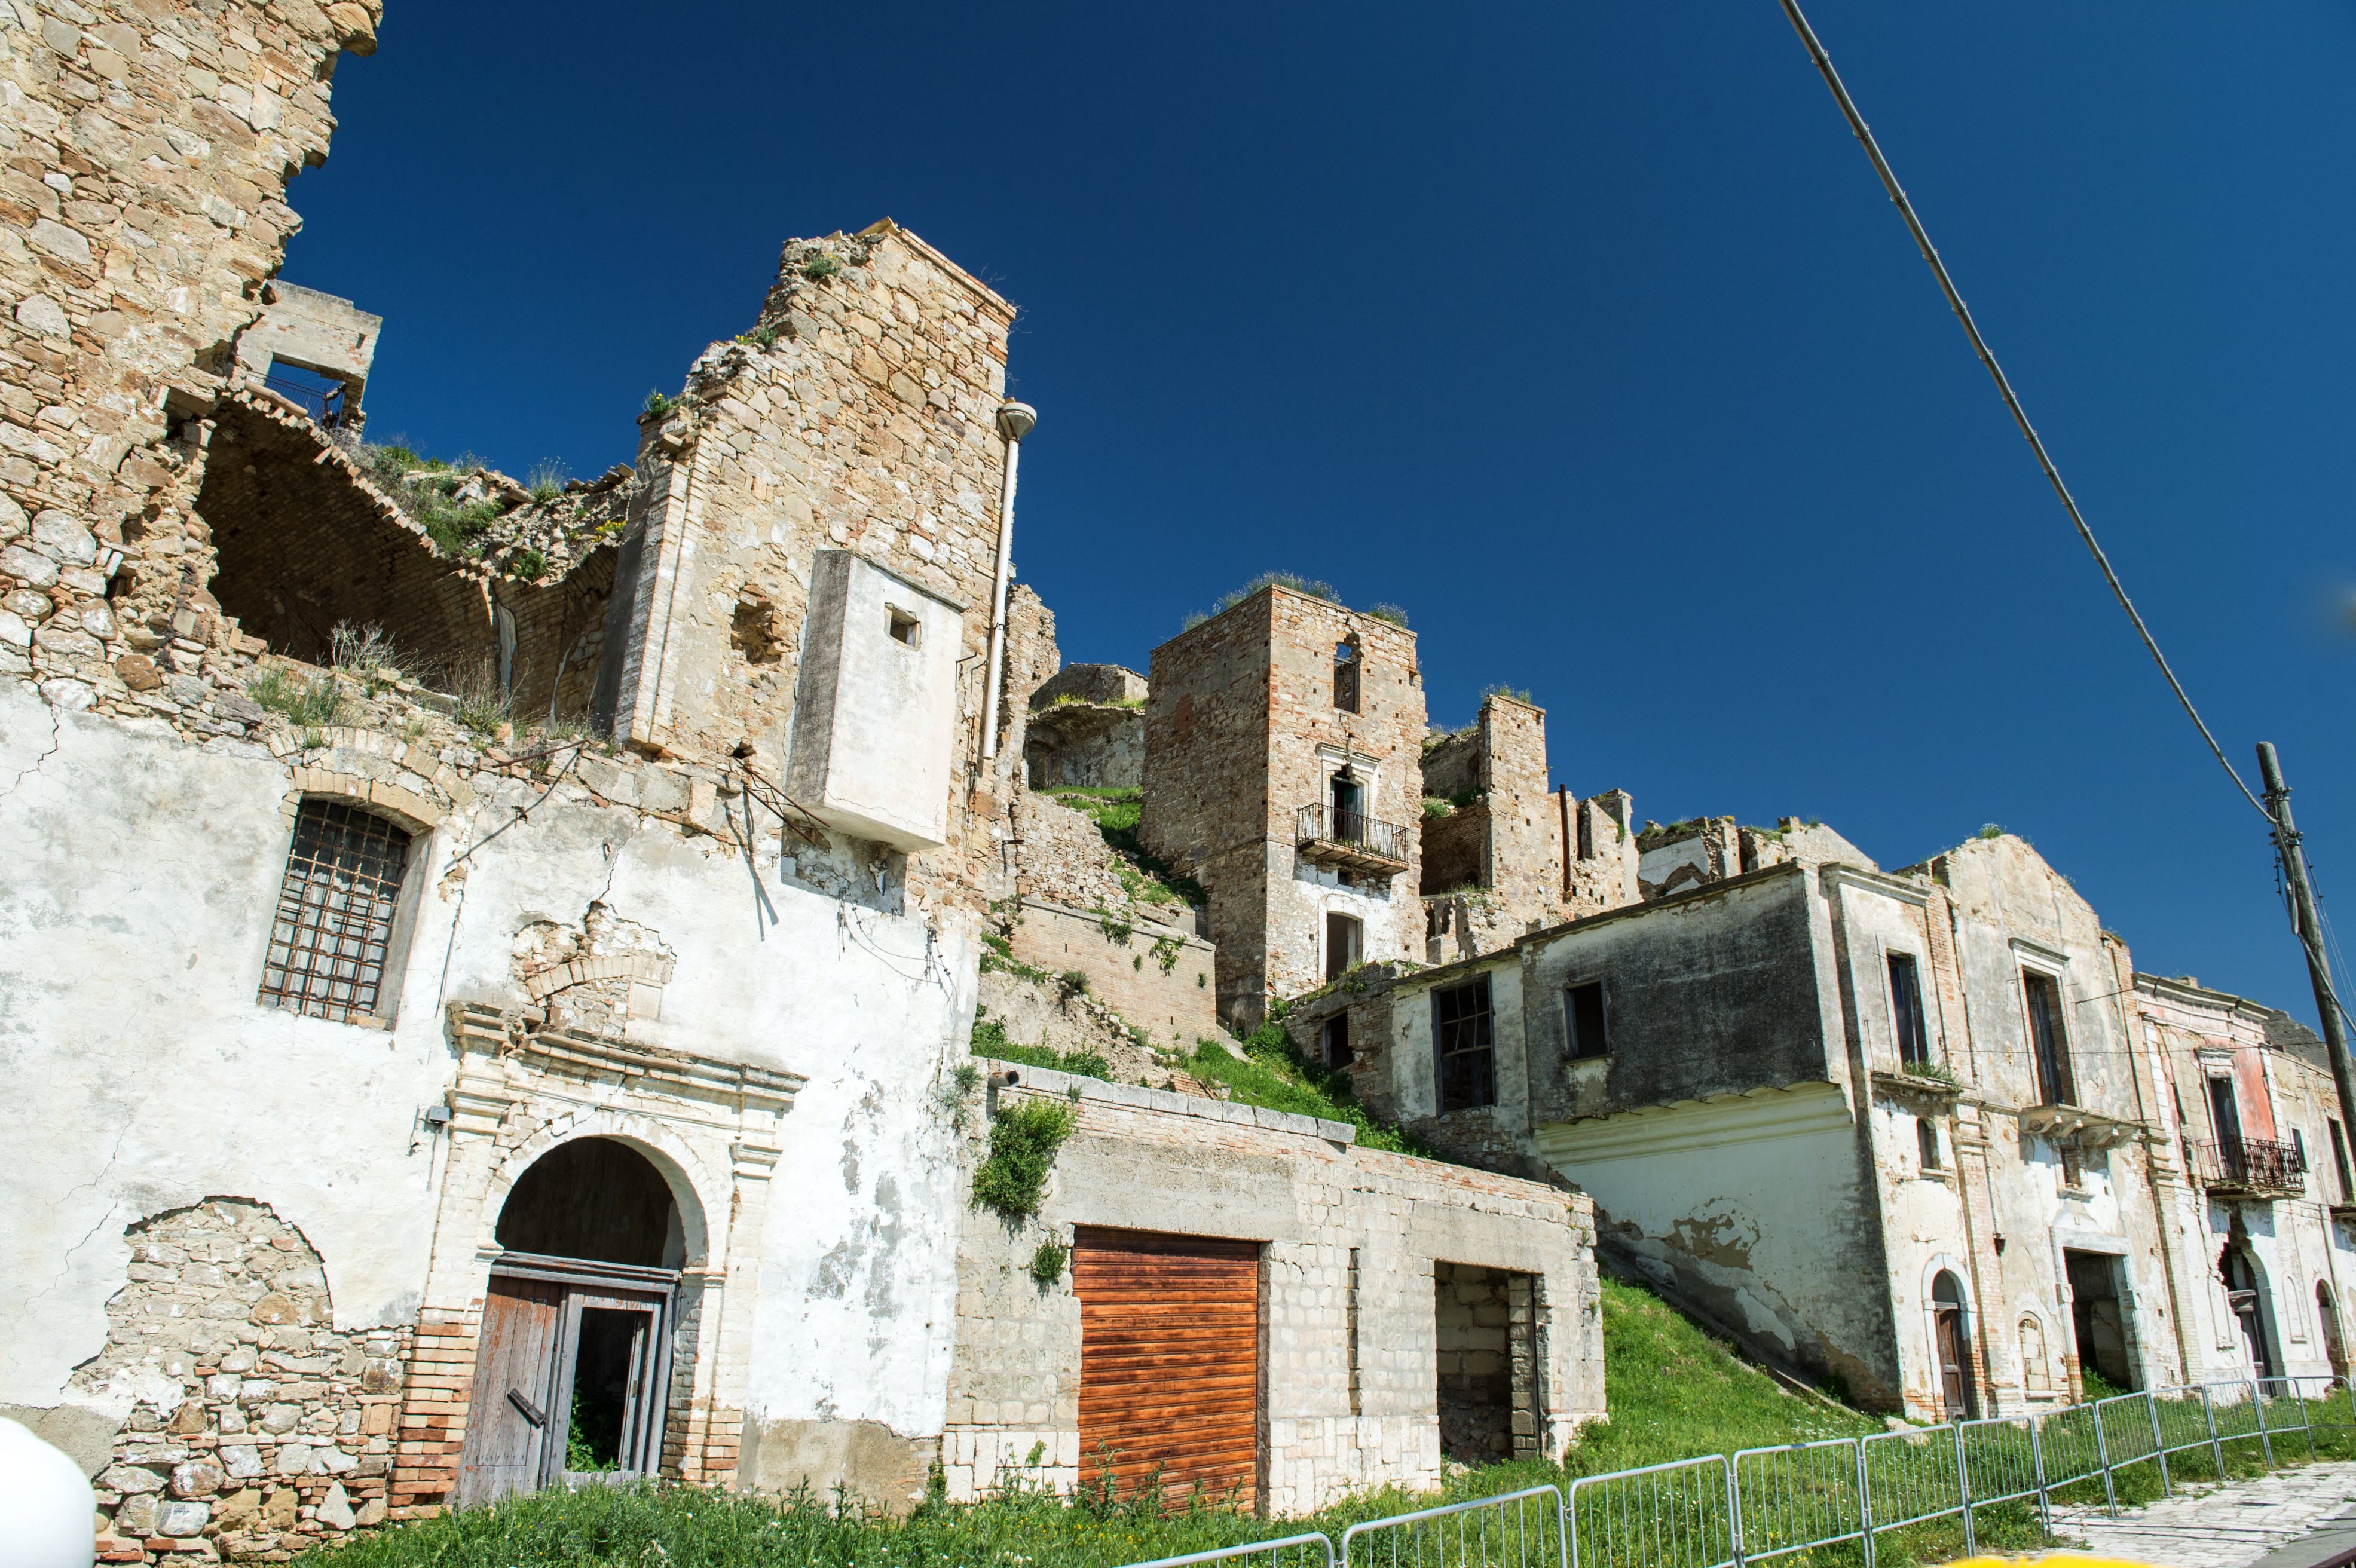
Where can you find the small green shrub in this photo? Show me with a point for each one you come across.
(658, 405)
(1023, 1145)
(1047, 1263)
(1435, 807)
(1391, 612)
(1311, 586)
(527, 564)
(820, 266)
(761, 338)
(1990, 830)
(304, 704)
(457, 529)
(1517, 693)
(481, 704)
(1075, 983)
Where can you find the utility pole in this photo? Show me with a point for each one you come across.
(2310, 932)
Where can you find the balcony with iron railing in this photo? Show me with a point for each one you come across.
(1350, 841)
(329, 403)
(2248, 1168)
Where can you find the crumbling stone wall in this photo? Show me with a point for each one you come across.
(1242, 733)
(148, 151)
(1156, 977)
(857, 415)
(255, 1428)
(1075, 744)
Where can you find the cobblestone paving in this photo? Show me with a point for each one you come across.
(2218, 1526)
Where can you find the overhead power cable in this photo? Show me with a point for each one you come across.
(2321, 964)
(2003, 388)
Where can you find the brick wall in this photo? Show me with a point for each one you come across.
(1242, 733)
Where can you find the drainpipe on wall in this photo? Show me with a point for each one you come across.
(1015, 422)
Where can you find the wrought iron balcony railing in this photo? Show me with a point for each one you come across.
(1348, 839)
(325, 405)
(2251, 1165)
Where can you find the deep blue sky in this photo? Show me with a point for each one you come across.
(1583, 332)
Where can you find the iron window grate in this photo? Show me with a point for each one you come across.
(333, 929)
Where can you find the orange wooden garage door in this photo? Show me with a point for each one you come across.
(1169, 1360)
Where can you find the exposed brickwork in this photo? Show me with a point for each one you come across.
(1242, 731)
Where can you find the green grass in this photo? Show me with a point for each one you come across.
(1275, 1076)
(305, 704)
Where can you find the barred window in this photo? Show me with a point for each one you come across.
(1460, 1034)
(334, 926)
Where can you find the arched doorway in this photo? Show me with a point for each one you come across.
(1948, 1342)
(572, 1365)
(2327, 1315)
(2245, 1295)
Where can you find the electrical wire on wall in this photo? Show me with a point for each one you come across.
(2322, 967)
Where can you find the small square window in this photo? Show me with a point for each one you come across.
(904, 627)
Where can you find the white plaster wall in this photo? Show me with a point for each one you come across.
(144, 1076)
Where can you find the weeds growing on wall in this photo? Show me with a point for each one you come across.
(1990, 830)
(1145, 877)
(304, 704)
(1022, 1144)
(1047, 1263)
(658, 405)
(990, 1040)
(1391, 612)
(526, 565)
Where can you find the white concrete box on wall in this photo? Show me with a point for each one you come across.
(875, 704)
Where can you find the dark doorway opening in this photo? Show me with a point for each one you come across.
(2095, 1312)
(1486, 1324)
(2327, 1315)
(2245, 1295)
(1344, 944)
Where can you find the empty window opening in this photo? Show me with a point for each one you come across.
(2339, 1160)
(1344, 936)
(596, 1199)
(2095, 1317)
(904, 627)
(1950, 1344)
(1584, 1004)
(1906, 1012)
(1464, 1044)
(1586, 831)
(1333, 1043)
(1486, 1324)
(1347, 665)
(2049, 1040)
(752, 629)
(333, 935)
(2225, 1117)
(1926, 1139)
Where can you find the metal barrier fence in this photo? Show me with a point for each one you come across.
(1727, 1511)
(1513, 1530)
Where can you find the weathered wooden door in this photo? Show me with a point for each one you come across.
(1954, 1372)
(512, 1416)
(1169, 1363)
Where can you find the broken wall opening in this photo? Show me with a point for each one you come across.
(2100, 1330)
(301, 547)
(1487, 1322)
